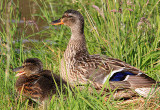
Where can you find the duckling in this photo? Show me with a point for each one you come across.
(79, 67)
(36, 83)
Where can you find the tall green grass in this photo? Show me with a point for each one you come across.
(123, 30)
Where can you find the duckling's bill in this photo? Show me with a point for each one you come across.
(20, 71)
(57, 22)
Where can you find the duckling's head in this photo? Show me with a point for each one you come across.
(71, 18)
(30, 66)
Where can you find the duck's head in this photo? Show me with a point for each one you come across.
(71, 18)
(29, 67)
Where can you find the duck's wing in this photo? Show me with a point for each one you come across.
(120, 74)
(134, 81)
(99, 68)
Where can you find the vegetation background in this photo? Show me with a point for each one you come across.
(125, 29)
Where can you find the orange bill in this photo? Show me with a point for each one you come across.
(57, 22)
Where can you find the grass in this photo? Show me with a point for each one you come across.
(129, 31)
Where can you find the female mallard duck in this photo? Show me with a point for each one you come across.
(78, 67)
(36, 83)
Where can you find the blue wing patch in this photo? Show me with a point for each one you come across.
(120, 76)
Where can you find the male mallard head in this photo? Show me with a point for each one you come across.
(71, 18)
(29, 67)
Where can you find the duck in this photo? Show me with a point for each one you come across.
(79, 67)
(36, 83)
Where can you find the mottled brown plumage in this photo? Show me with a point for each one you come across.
(36, 83)
(79, 67)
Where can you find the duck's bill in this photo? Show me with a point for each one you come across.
(20, 71)
(57, 22)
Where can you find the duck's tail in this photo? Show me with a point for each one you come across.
(145, 92)
(144, 85)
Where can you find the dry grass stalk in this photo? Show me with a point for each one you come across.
(99, 11)
(8, 38)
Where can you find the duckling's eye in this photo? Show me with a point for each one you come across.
(31, 68)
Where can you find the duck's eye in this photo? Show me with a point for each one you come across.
(66, 16)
